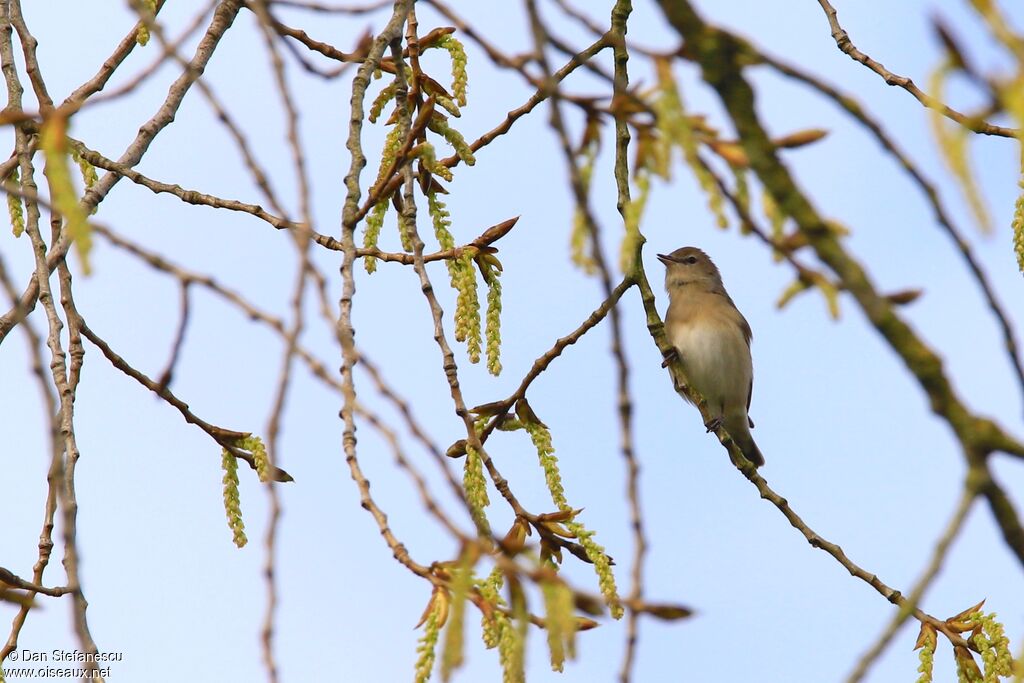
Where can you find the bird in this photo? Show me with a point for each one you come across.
(712, 341)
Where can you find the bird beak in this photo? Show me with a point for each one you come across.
(666, 259)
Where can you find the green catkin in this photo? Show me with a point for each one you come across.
(510, 650)
(460, 78)
(383, 97)
(602, 566)
(560, 623)
(454, 138)
(674, 125)
(254, 445)
(777, 220)
(15, 207)
(405, 233)
(490, 591)
(926, 657)
(442, 223)
(447, 104)
(512, 644)
(493, 329)
(993, 646)
(427, 646)
(467, 308)
(88, 171)
(1018, 229)
(541, 438)
(428, 156)
(392, 144)
(142, 34)
(371, 233)
(581, 242)
(742, 194)
(462, 273)
(452, 652)
(952, 142)
(54, 143)
(232, 500)
(475, 484)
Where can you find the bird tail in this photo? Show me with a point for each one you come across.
(740, 433)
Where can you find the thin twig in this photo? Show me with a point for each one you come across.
(345, 331)
(223, 17)
(917, 592)
(846, 45)
(45, 546)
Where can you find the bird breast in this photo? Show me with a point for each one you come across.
(716, 359)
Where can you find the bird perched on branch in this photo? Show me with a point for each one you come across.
(712, 340)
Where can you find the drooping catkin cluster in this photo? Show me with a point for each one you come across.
(952, 142)
(540, 435)
(461, 264)
(812, 280)
(993, 645)
(467, 306)
(986, 636)
(581, 240)
(460, 78)
(454, 637)
(490, 591)
(541, 438)
(504, 621)
(675, 128)
(433, 620)
(503, 627)
(560, 622)
(512, 643)
(1006, 94)
(232, 500)
(375, 217)
(926, 657)
(462, 274)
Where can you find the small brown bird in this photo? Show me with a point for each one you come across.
(712, 339)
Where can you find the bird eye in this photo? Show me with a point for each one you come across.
(691, 260)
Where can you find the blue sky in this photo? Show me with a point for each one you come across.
(846, 431)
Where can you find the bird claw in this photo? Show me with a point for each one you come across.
(713, 424)
(669, 357)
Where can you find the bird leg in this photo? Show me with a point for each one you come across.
(669, 357)
(713, 424)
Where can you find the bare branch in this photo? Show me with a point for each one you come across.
(846, 45)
